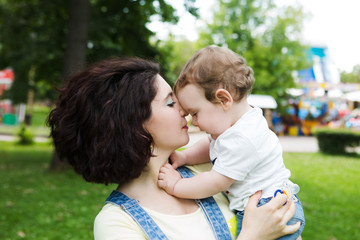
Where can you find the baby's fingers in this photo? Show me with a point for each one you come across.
(161, 183)
(166, 168)
(161, 176)
(174, 165)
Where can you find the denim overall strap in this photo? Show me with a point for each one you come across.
(140, 216)
(211, 210)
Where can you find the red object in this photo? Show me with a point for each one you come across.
(6, 79)
(7, 73)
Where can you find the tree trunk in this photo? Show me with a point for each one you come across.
(58, 165)
(30, 98)
(77, 36)
(75, 52)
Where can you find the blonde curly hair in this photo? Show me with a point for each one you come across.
(216, 67)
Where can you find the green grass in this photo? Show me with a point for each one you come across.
(330, 194)
(39, 116)
(37, 204)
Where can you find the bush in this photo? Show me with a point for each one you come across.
(26, 137)
(336, 141)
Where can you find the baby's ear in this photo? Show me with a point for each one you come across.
(224, 97)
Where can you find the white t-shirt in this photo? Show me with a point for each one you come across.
(113, 223)
(251, 154)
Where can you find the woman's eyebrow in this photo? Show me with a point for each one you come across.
(170, 94)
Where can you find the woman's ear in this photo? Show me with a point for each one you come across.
(224, 97)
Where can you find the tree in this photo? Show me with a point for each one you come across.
(351, 77)
(267, 36)
(117, 28)
(33, 34)
(174, 54)
(75, 52)
(31, 42)
(76, 37)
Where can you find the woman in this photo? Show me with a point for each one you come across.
(118, 122)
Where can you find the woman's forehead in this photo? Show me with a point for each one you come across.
(163, 89)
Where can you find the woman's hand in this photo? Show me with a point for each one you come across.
(268, 221)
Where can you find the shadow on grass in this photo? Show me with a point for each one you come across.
(38, 204)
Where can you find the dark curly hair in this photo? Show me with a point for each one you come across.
(97, 123)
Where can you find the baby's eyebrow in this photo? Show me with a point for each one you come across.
(190, 110)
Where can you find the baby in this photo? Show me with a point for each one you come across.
(246, 155)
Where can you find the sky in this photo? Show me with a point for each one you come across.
(331, 23)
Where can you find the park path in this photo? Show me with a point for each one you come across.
(10, 138)
(288, 143)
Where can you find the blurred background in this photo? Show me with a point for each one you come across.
(306, 59)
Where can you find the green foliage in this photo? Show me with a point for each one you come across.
(189, 6)
(26, 137)
(35, 202)
(336, 141)
(32, 38)
(33, 34)
(268, 38)
(174, 55)
(351, 77)
(119, 27)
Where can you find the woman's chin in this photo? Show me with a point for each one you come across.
(184, 142)
(187, 139)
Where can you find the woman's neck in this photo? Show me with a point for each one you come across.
(147, 181)
(146, 190)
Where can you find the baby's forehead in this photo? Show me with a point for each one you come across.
(187, 106)
(181, 102)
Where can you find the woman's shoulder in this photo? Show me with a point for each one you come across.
(113, 223)
(110, 212)
(220, 198)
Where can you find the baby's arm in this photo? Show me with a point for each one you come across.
(202, 185)
(196, 154)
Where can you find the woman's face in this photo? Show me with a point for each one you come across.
(167, 124)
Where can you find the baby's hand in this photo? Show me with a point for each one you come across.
(177, 159)
(168, 177)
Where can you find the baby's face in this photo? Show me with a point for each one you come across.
(209, 117)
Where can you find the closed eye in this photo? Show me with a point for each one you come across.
(170, 102)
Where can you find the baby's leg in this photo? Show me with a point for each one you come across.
(298, 217)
